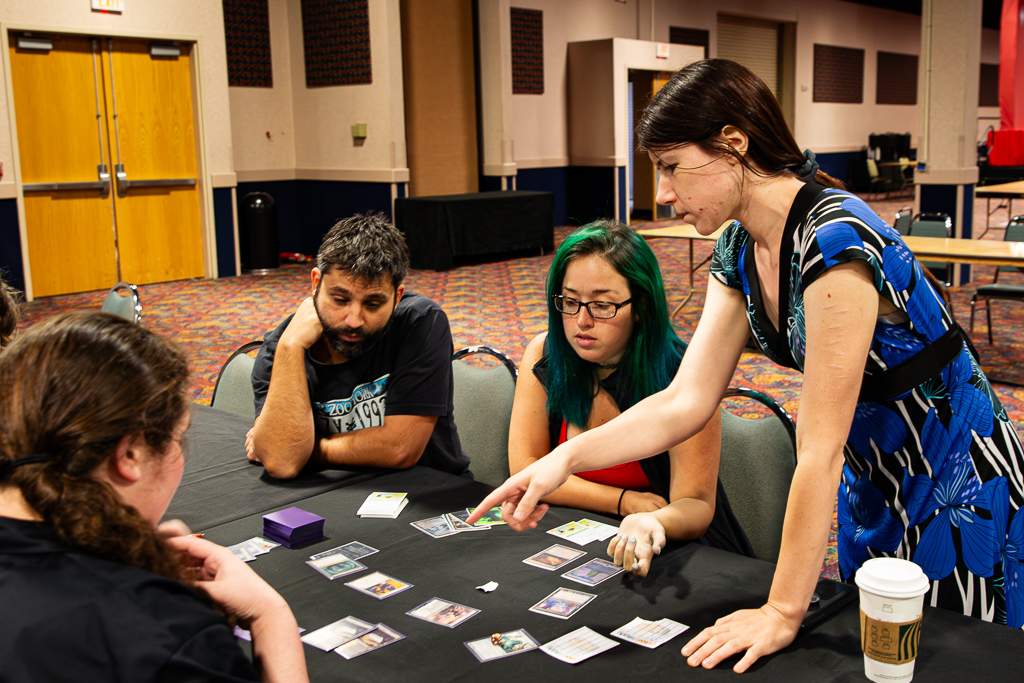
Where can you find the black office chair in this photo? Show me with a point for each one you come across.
(483, 399)
(934, 225)
(901, 221)
(756, 468)
(123, 300)
(999, 290)
(233, 391)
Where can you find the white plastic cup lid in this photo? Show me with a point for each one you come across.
(892, 577)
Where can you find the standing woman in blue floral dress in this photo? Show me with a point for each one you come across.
(894, 409)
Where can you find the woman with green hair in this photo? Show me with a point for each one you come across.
(609, 345)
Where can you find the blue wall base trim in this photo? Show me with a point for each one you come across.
(306, 209)
(223, 226)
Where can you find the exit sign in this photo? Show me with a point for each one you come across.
(108, 6)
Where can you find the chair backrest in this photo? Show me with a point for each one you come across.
(483, 410)
(233, 390)
(872, 168)
(902, 220)
(756, 468)
(934, 225)
(123, 300)
(1014, 233)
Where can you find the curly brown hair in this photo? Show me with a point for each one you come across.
(73, 387)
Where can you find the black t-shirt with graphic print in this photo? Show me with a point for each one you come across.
(407, 372)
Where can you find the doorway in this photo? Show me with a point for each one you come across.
(643, 85)
(108, 160)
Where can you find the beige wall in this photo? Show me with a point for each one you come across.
(537, 132)
(311, 127)
(257, 111)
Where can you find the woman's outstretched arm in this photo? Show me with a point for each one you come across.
(657, 423)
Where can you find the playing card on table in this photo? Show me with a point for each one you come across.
(336, 565)
(354, 550)
(563, 603)
(377, 638)
(443, 612)
(383, 504)
(581, 644)
(553, 557)
(593, 572)
(333, 635)
(490, 518)
(577, 532)
(435, 527)
(650, 634)
(378, 585)
(459, 523)
(502, 645)
(242, 552)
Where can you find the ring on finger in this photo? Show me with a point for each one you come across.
(632, 540)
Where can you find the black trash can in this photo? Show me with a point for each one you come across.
(257, 234)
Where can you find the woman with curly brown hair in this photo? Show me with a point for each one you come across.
(93, 411)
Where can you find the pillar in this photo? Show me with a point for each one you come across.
(947, 169)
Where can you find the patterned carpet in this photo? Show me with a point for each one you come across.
(500, 303)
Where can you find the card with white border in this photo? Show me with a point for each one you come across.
(574, 647)
(502, 645)
(378, 585)
(562, 603)
(577, 532)
(460, 524)
(443, 612)
(650, 634)
(593, 572)
(600, 530)
(435, 527)
(553, 557)
(354, 550)
(490, 518)
(340, 632)
(375, 639)
(336, 566)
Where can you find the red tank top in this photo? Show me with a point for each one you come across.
(628, 476)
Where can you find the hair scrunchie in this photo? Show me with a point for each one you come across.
(7, 468)
(807, 172)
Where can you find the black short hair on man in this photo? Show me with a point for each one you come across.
(368, 246)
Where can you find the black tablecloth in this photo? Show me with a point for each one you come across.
(693, 584)
(438, 229)
(219, 484)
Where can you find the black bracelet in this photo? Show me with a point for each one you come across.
(618, 508)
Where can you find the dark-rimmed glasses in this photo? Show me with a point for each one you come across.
(601, 310)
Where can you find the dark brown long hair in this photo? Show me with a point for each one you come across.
(703, 98)
(72, 388)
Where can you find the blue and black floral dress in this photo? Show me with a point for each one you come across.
(934, 469)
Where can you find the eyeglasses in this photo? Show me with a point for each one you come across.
(602, 310)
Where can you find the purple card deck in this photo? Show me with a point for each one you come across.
(293, 527)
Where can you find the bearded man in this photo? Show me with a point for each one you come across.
(360, 375)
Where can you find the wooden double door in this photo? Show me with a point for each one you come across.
(107, 149)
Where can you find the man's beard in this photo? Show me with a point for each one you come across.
(333, 334)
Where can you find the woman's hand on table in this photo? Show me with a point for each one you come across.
(758, 631)
(641, 537)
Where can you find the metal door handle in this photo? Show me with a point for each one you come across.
(103, 184)
(123, 184)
